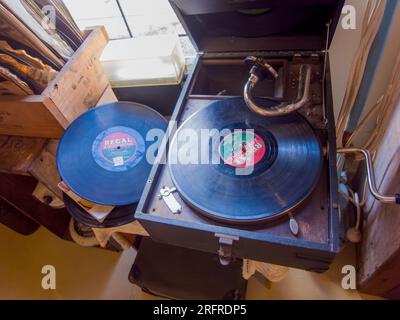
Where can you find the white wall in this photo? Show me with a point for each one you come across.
(342, 50)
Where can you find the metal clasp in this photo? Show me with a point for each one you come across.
(169, 199)
(225, 248)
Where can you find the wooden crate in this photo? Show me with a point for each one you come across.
(76, 88)
(27, 123)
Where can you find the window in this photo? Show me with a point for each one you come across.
(99, 12)
(129, 18)
(144, 49)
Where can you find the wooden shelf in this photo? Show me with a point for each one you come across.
(77, 87)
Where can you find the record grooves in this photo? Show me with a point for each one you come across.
(286, 165)
(119, 216)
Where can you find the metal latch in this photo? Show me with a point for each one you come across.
(169, 199)
(225, 248)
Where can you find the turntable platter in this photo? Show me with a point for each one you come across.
(250, 168)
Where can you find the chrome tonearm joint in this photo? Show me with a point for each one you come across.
(371, 176)
(258, 72)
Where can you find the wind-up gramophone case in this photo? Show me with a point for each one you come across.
(287, 35)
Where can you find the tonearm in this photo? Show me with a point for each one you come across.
(259, 70)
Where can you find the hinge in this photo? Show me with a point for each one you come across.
(309, 55)
(315, 56)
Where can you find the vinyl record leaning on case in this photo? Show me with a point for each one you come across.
(285, 162)
(102, 154)
(119, 216)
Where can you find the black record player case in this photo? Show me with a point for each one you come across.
(286, 34)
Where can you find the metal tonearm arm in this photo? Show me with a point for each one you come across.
(258, 72)
(371, 176)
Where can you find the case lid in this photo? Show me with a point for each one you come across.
(258, 25)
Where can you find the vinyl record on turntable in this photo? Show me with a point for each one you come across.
(102, 154)
(285, 164)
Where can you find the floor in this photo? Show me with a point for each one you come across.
(91, 273)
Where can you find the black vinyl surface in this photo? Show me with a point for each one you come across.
(119, 216)
(284, 174)
(102, 154)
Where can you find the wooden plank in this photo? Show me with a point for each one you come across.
(27, 116)
(18, 153)
(108, 96)
(51, 146)
(379, 259)
(44, 169)
(81, 82)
